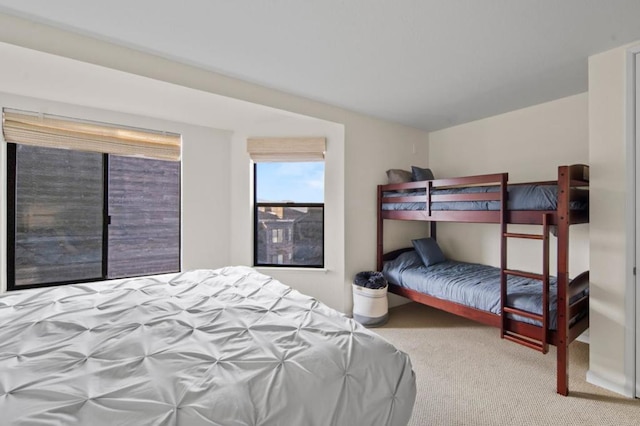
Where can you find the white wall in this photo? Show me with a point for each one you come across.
(358, 154)
(609, 361)
(370, 146)
(204, 158)
(529, 144)
(325, 284)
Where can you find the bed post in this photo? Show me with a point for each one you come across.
(504, 199)
(432, 224)
(380, 242)
(564, 188)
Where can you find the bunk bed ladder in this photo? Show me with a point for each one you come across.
(540, 343)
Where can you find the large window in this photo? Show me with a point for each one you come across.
(76, 216)
(289, 214)
(57, 206)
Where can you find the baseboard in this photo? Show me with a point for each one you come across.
(584, 337)
(599, 381)
(395, 300)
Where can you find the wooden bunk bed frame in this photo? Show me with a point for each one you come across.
(572, 319)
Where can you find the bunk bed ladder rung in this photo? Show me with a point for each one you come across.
(538, 342)
(524, 274)
(525, 236)
(527, 314)
(533, 344)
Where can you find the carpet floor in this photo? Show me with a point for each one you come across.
(467, 375)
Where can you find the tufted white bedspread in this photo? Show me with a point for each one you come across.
(223, 347)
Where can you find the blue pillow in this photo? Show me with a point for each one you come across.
(429, 251)
(418, 174)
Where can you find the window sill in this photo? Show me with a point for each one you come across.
(290, 269)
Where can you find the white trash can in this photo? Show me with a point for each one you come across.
(370, 305)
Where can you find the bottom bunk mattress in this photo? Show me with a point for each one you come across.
(223, 347)
(473, 285)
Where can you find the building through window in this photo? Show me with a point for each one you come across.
(289, 214)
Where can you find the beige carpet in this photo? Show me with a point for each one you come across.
(467, 375)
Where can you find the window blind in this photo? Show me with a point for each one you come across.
(29, 128)
(286, 149)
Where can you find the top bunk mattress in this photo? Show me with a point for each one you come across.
(473, 285)
(520, 197)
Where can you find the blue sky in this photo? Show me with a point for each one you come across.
(297, 182)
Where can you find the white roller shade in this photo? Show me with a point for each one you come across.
(286, 149)
(50, 131)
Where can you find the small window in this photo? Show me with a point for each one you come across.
(276, 236)
(289, 214)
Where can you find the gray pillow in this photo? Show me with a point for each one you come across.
(418, 174)
(398, 176)
(429, 251)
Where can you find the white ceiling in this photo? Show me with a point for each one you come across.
(429, 64)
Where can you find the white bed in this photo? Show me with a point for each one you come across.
(224, 347)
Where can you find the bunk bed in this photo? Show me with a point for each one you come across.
(555, 205)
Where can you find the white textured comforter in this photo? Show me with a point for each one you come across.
(223, 347)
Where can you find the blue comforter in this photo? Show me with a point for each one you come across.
(471, 284)
(521, 197)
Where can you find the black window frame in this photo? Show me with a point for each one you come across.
(12, 168)
(256, 220)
